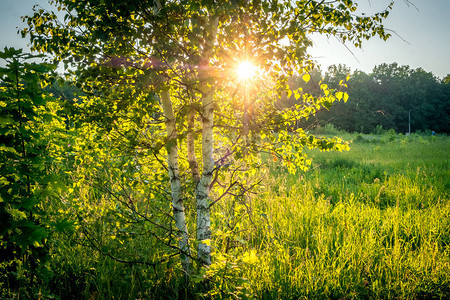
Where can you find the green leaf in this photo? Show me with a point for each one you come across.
(345, 97)
(306, 77)
(17, 214)
(289, 93)
(63, 225)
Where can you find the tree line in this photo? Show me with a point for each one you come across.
(390, 97)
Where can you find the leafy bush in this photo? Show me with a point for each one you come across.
(379, 130)
(27, 128)
(327, 129)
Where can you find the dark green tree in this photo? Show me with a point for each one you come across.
(384, 99)
(443, 115)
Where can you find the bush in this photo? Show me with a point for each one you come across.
(328, 129)
(379, 130)
(28, 128)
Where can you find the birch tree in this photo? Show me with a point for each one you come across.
(182, 57)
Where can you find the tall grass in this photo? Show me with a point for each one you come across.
(369, 223)
(350, 249)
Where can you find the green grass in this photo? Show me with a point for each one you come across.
(411, 170)
(370, 223)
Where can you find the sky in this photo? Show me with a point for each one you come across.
(421, 38)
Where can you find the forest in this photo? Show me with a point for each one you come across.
(391, 97)
(188, 152)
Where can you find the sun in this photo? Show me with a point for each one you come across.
(246, 70)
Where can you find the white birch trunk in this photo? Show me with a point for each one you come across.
(190, 141)
(174, 176)
(202, 190)
(203, 187)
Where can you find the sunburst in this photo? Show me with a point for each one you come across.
(246, 70)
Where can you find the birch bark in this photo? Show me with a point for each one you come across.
(203, 187)
(174, 177)
(190, 141)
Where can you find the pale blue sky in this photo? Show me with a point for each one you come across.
(424, 41)
(426, 31)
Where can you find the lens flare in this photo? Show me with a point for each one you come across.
(246, 70)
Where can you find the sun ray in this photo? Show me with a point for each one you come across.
(246, 70)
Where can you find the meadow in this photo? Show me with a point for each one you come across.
(370, 223)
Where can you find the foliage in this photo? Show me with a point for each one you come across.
(385, 98)
(154, 74)
(30, 133)
(117, 33)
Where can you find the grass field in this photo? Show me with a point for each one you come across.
(370, 223)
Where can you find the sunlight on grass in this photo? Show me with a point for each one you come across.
(361, 224)
(349, 227)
